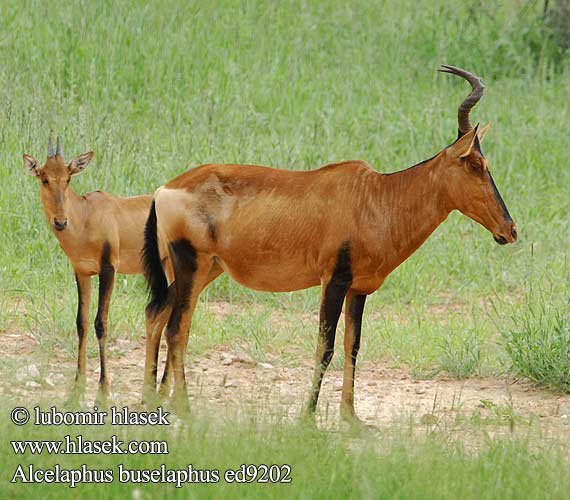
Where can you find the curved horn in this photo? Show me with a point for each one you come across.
(50, 147)
(58, 149)
(470, 101)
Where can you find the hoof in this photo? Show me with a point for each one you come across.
(354, 426)
(308, 420)
(103, 400)
(164, 392)
(180, 406)
(74, 401)
(76, 396)
(150, 399)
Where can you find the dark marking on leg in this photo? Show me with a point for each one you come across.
(106, 282)
(331, 307)
(79, 318)
(82, 323)
(342, 274)
(355, 316)
(189, 279)
(214, 272)
(184, 261)
(106, 276)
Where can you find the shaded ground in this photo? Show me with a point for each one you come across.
(384, 396)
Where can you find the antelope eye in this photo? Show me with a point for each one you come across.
(45, 182)
(478, 167)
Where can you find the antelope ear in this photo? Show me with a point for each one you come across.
(79, 164)
(463, 146)
(483, 132)
(32, 165)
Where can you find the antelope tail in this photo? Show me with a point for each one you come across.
(153, 270)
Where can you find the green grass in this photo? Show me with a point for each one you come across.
(461, 355)
(538, 343)
(157, 88)
(403, 461)
(296, 85)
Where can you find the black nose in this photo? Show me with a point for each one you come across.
(514, 233)
(60, 226)
(501, 240)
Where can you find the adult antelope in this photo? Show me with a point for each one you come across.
(343, 226)
(100, 234)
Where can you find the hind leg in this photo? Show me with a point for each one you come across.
(82, 322)
(155, 323)
(354, 307)
(192, 273)
(167, 377)
(331, 307)
(334, 289)
(106, 282)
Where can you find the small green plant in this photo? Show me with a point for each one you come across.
(539, 345)
(500, 414)
(460, 355)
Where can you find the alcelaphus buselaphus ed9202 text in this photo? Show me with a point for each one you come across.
(100, 234)
(343, 226)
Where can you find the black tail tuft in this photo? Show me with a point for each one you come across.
(153, 271)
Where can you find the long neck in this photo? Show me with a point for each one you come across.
(76, 210)
(412, 204)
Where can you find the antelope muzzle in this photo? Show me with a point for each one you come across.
(508, 235)
(59, 225)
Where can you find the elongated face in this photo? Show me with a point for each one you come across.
(473, 191)
(55, 177)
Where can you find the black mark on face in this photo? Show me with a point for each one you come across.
(499, 199)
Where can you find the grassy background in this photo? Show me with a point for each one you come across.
(156, 88)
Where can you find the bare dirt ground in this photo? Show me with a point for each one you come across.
(225, 379)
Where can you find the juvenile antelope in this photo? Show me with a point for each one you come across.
(100, 234)
(343, 226)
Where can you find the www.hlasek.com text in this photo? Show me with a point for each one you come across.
(78, 445)
(178, 477)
